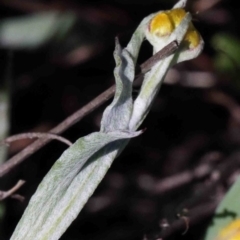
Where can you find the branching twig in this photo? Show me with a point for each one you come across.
(183, 178)
(35, 135)
(68, 122)
(6, 194)
(197, 215)
(77, 116)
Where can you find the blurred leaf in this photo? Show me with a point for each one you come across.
(227, 211)
(4, 120)
(2, 210)
(228, 53)
(35, 30)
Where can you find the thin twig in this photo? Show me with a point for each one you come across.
(18, 197)
(68, 122)
(183, 178)
(35, 135)
(198, 214)
(166, 51)
(77, 116)
(5, 194)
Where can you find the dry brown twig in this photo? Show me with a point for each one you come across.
(78, 115)
(181, 179)
(10, 192)
(197, 215)
(34, 135)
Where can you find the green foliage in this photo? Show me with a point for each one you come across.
(227, 211)
(228, 53)
(35, 30)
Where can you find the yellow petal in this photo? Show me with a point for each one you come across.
(161, 25)
(165, 22)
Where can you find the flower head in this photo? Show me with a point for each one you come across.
(163, 24)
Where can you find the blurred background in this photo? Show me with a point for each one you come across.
(56, 56)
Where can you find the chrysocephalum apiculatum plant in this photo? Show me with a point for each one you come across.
(76, 174)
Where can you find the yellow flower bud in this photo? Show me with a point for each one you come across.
(165, 22)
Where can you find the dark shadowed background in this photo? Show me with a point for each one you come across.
(169, 173)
